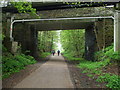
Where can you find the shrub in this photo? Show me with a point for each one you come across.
(71, 57)
(45, 54)
(108, 53)
(12, 64)
(103, 58)
(111, 80)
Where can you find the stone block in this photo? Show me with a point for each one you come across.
(14, 47)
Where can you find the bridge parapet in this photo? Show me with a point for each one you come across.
(74, 12)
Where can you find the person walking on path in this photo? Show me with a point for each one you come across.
(53, 52)
(58, 52)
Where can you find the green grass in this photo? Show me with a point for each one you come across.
(93, 65)
(111, 80)
(89, 75)
(45, 54)
(72, 58)
(94, 68)
(103, 59)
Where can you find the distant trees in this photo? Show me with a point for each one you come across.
(46, 40)
(73, 42)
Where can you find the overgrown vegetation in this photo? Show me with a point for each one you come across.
(111, 80)
(45, 54)
(46, 41)
(70, 57)
(95, 68)
(104, 58)
(108, 53)
(24, 7)
(69, 40)
(12, 64)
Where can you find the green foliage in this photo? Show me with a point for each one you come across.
(45, 54)
(12, 64)
(103, 58)
(94, 68)
(2, 36)
(70, 57)
(46, 40)
(25, 60)
(111, 80)
(69, 40)
(93, 65)
(89, 75)
(25, 7)
(108, 53)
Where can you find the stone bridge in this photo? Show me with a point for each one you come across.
(98, 32)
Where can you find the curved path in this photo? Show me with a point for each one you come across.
(52, 74)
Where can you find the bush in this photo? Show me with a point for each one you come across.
(111, 80)
(45, 54)
(108, 53)
(103, 58)
(71, 57)
(93, 65)
(12, 64)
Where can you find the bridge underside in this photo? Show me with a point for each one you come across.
(30, 30)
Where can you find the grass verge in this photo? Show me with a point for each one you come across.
(14, 63)
(45, 54)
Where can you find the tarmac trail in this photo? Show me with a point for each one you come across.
(52, 74)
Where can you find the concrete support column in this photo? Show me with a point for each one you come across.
(90, 42)
(34, 42)
(117, 30)
(29, 41)
(7, 42)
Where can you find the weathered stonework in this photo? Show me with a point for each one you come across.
(14, 47)
(26, 35)
(90, 43)
(74, 12)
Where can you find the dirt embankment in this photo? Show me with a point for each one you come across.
(81, 80)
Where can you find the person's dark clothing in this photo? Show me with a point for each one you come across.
(58, 52)
(53, 52)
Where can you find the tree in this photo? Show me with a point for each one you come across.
(73, 42)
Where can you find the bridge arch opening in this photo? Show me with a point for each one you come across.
(30, 33)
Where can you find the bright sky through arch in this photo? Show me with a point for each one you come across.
(59, 46)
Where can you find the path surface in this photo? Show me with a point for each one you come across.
(52, 74)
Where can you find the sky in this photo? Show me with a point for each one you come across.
(59, 46)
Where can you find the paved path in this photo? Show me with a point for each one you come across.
(52, 74)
